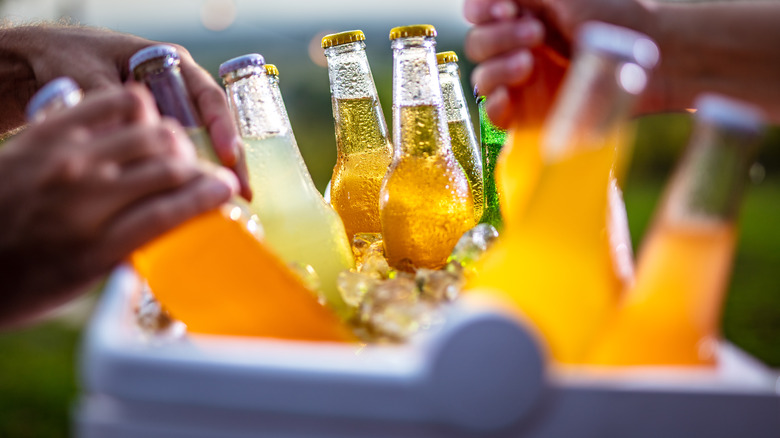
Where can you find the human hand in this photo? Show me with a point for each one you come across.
(506, 32)
(97, 59)
(86, 187)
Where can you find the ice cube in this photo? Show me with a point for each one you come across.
(473, 244)
(440, 286)
(152, 318)
(361, 242)
(354, 286)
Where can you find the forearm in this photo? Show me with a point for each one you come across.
(17, 79)
(725, 47)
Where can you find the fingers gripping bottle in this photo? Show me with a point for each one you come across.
(426, 202)
(492, 139)
(213, 272)
(52, 98)
(364, 151)
(298, 223)
(462, 137)
(554, 260)
(671, 316)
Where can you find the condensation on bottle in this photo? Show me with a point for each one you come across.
(364, 151)
(492, 139)
(213, 272)
(299, 225)
(426, 202)
(462, 136)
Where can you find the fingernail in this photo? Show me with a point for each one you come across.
(229, 180)
(520, 63)
(529, 31)
(238, 145)
(503, 10)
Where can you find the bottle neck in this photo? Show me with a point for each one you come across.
(256, 102)
(360, 122)
(710, 181)
(488, 132)
(349, 72)
(57, 105)
(164, 79)
(455, 106)
(595, 101)
(419, 121)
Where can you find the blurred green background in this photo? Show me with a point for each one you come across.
(38, 383)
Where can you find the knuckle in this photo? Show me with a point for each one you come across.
(162, 216)
(159, 139)
(174, 172)
(69, 168)
(212, 96)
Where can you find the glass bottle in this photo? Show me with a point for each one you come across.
(462, 137)
(426, 202)
(52, 98)
(671, 316)
(554, 258)
(492, 139)
(364, 151)
(214, 273)
(299, 225)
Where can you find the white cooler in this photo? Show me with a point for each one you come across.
(480, 374)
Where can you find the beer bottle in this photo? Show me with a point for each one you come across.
(492, 139)
(462, 137)
(53, 97)
(671, 316)
(426, 202)
(554, 259)
(299, 225)
(213, 272)
(364, 151)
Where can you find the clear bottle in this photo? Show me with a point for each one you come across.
(492, 139)
(672, 315)
(298, 223)
(554, 259)
(426, 202)
(462, 137)
(214, 273)
(364, 151)
(52, 98)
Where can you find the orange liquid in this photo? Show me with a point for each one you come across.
(216, 277)
(426, 208)
(671, 316)
(518, 165)
(517, 171)
(426, 203)
(553, 262)
(364, 155)
(357, 180)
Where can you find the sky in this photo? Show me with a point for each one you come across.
(152, 17)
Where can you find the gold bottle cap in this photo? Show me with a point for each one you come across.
(336, 39)
(271, 70)
(445, 57)
(415, 30)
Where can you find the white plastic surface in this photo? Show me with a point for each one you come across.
(480, 373)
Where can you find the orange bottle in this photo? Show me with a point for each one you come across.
(213, 272)
(425, 202)
(364, 151)
(553, 259)
(671, 315)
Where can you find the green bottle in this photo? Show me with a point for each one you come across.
(492, 139)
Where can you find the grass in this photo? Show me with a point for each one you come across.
(37, 381)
